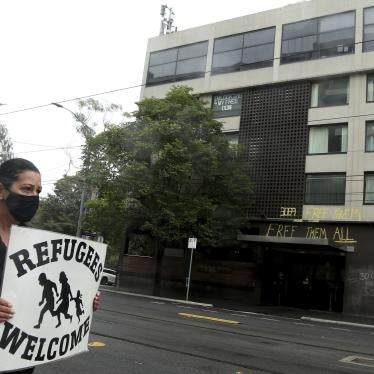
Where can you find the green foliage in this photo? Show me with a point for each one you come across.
(6, 145)
(140, 246)
(59, 211)
(171, 173)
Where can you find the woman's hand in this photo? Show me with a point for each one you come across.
(96, 301)
(6, 310)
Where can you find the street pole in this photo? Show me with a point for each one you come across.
(192, 246)
(84, 188)
(81, 207)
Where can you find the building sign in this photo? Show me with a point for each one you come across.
(51, 280)
(339, 234)
(321, 214)
(227, 105)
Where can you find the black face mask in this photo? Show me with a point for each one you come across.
(22, 207)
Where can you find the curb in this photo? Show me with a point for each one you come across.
(177, 301)
(336, 322)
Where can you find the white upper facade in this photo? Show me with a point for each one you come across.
(352, 59)
(278, 72)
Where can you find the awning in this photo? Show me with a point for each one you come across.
(297, 241)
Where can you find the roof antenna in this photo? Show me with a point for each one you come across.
(167, 20)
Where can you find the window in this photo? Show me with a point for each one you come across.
(328, 139)
(369, 188)
(320, 37)
(369, 144)
(232, 137)
(325, 189)
(244, 51)
(330, 92)
(179, 63)
(368, 44)
(227, 105)
(370, 87)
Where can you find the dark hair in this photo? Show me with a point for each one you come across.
(10, 169)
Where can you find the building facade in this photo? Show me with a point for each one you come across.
(294, 87)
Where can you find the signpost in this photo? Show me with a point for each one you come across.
(191, 245)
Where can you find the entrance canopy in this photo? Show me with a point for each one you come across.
(301, 243)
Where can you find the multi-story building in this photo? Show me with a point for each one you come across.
(295, 87)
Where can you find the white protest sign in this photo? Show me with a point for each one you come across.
(51, 280)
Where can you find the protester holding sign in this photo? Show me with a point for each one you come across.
(20, 186)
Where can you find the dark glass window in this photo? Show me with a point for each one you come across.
(177, 63)
(369, 188)
(337, 22)
(321, 37)
(227, 61)
(368, 44)
(330, 92)
(369, 147)
(193, 50)
(232, 137)
(370, 87)
(161, 73)
(228, 44)
(299, 29)
(325, 189)
(328, 139)
(257, 54)
(163, 57)
(259, 37)
(245, 51)
(300, 48)
(191, 66)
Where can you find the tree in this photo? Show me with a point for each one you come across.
(6, 145)
(59, 211)
(171, 173)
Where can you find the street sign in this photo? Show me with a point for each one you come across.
(192, 243)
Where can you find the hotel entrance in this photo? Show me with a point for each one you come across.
(306, 278)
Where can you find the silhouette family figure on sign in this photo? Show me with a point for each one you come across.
(48, 299)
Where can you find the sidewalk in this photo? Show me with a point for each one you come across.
(287, 312)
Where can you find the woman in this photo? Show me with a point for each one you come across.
(65, 297)
(20, 186)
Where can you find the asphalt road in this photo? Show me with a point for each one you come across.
(148, 336)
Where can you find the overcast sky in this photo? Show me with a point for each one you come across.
(59, 50)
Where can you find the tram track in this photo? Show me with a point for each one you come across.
(189, 354)
(264, 339)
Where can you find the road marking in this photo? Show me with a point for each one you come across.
(303, 324)
(184, 307)
(209, 318)
(359, 360)
(338, 328)
(210, 311)
(157, 302)
(269, 319)
(96, 344)
(239, 315)
(336, 322)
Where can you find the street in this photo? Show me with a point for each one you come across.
(139, 335)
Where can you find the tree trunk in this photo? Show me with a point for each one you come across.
(123, 249)
(159, 254)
